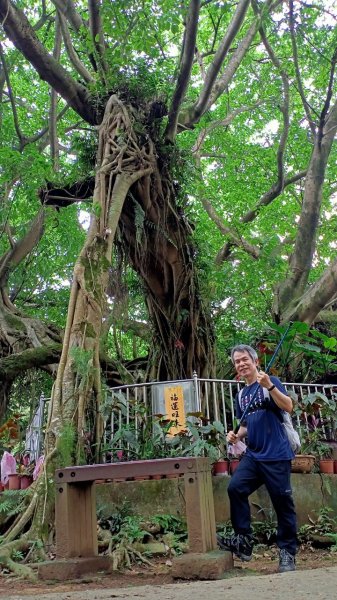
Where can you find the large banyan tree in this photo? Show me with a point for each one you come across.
(245, 92)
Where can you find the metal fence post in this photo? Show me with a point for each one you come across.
(196, 391)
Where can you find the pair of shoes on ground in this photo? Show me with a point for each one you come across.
(242, 546)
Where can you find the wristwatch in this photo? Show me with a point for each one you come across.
(271, 388)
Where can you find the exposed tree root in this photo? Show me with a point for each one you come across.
(23, 544)
(124, 555)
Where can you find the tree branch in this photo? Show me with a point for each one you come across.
(221, 123)
(306, 105)
(234, 238)
(54, 151)
(270, 195)
(328, 97)
(193, 114)
(214, 69)
(186, 62)
(315, 298)
(96, 31)
(15, 364)
(22, 248)
(73, 57)
(22, 35)
(11, 97)
(68, 10)
(300, 264)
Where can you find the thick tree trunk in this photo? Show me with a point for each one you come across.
(77, 391)
(131, 190)
(162, 253)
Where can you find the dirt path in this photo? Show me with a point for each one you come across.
(300, 585)
(316, 577)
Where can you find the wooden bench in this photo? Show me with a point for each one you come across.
(76, 522)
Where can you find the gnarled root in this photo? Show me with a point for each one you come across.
(23, 544)
(124, 555)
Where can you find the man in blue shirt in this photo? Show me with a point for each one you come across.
(267, 459)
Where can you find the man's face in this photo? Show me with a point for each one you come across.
(244, 364)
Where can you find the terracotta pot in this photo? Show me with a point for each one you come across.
(233, 465)
(25, 481)
(221, 467)
(13, 482)
(326, 465)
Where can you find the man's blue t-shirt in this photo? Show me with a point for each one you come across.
(266, 436)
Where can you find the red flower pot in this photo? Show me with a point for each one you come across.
(25, 481)
(326, 465)
(221, 467)
(13, 482)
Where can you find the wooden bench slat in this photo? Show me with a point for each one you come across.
(129, 470)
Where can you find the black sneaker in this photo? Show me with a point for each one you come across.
(240, 545)
(287, 561)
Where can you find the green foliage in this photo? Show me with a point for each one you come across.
(306, 354)
(66, 445)
(324, 525)
(12, 502)
(313, 442)
(127, 528)
(239, 162)
(170, 523)
(264, 529)
(147, 436)
(82, 361)
(17, 555)
(202, 440)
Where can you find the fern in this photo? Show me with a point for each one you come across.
(12, 502)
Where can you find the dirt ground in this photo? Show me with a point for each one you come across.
(264, 562)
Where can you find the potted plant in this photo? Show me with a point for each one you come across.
(326, 462)
(208, 439)
(25, 471)
(313, 443)
(304, 462)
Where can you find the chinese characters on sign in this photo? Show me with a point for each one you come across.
(175, 408)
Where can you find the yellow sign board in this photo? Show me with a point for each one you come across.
(175, 408)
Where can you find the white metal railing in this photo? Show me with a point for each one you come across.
(215, 398)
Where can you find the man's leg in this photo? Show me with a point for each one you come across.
(244, 481)
(277, 480)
